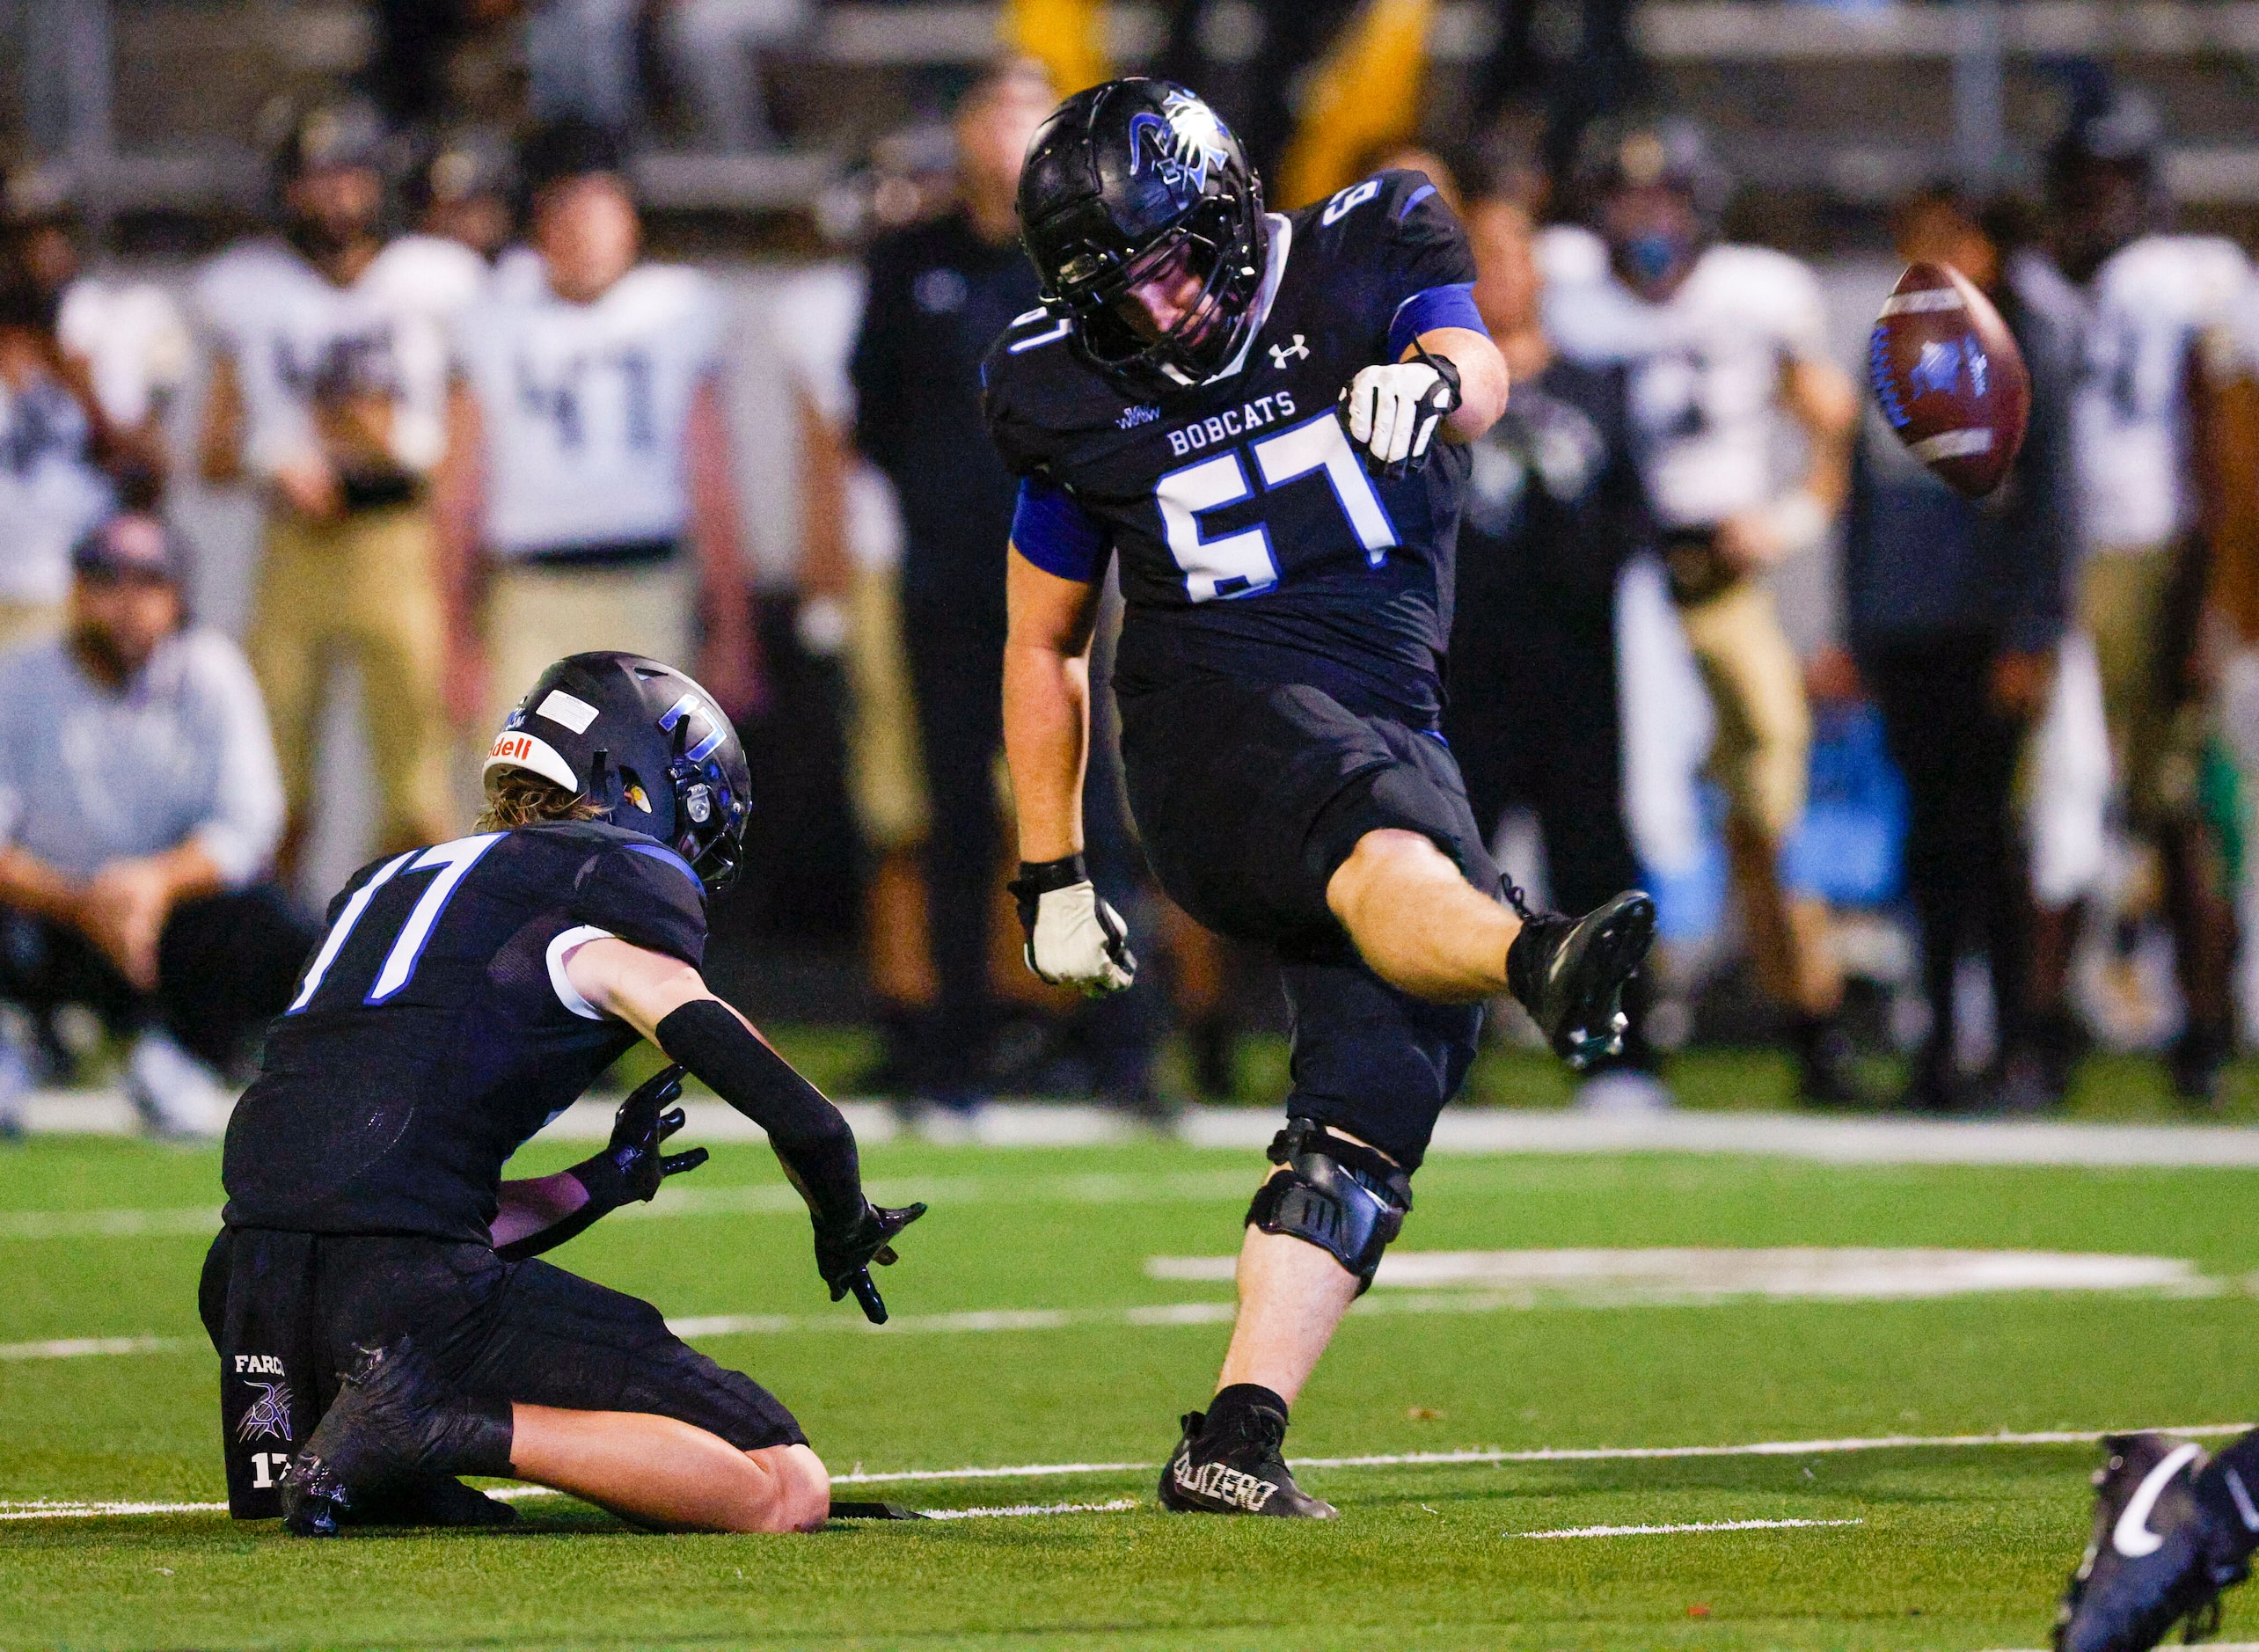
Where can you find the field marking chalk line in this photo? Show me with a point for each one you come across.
(59, 1510)
(1692, 1525)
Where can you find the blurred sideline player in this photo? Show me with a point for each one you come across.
(2153, 313)
(328, 387)
(1953, 612)
(1555, 506)
(373, 1272)
(586, 500)
(1726, 345)
(1265, 416)
(851, 606)
(128, 338)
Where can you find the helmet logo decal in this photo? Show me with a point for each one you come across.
(1180, 143)
(717, 728)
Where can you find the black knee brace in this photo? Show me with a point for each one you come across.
(1346, 1199)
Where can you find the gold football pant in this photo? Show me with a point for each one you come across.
(362, 588)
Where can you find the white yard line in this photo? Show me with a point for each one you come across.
(90, 1347)
(1692, 1525)
(59, 1510)
(1019, 1510)
(1460, 1130)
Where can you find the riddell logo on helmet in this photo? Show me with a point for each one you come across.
(516, 747)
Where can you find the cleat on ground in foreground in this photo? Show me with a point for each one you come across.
(2154, 1558)
(1240, 1473)
(394, 1426)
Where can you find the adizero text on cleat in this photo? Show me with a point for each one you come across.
(1570, 974)
(2154, 1558)
(394, 1425)
(1239, 1471)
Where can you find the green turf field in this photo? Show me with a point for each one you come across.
(1954, 1547)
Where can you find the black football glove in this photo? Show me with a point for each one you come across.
(1391, 412)
(639, 1129)
(844, 1252)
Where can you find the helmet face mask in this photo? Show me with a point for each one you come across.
(644, 743)
(1119, 181)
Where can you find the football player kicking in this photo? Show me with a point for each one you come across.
(372, 1270)
(1265, 416)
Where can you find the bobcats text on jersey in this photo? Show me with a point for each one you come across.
(1254, 542)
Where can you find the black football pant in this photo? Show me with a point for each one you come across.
(957, 665)
(225, 966)
(1533, 720)
(1964, 863)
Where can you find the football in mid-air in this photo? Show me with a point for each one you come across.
(1947, 374)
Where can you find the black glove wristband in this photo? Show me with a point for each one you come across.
(1038, 878)
(606, 1182)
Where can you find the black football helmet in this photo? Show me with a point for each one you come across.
(647, 744)
(1118, 179)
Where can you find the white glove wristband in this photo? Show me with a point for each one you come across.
(1392, 411)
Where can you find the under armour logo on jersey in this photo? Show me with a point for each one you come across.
(1282, 353)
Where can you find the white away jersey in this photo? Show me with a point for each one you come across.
(585, 407)
(1705, 367)
(298, 338)
(51, 492)
(133, 340)
(2139, 319)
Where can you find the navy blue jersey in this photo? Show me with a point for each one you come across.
(1254, 542)
(434, 1029)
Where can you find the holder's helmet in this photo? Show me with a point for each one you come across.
(645, 743)
(1118, 180)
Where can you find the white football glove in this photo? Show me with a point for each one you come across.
(1391, 412)
(1074, 939)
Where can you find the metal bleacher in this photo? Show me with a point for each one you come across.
(1847, 102)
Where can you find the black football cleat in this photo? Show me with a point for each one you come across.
(1237, 1472)
(2155, 1558)
(429, 1500)
(394, 1425)
(1570, 974)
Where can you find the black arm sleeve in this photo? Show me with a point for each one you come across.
(812, 1142)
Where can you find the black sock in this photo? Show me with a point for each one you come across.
(2229, 1489)
(1235, 1402)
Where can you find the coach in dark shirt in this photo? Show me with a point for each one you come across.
(939, 293)
(1954, 612)
(1555, 507)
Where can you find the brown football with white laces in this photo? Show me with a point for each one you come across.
(1946, 372)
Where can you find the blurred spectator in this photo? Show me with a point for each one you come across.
(938, 294)
(1952, 613)
(581, 64)
(328, 391)
(124, 344)
(52, 485)
(586, 500)
(2152, 313)
(1536, 63)
(712, 46)
(1555, 506)
(139, 808)
(851, 606)
(1727, 349)
(462, 189)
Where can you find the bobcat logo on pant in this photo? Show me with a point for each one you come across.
(1224, 1483)
(269, 1416)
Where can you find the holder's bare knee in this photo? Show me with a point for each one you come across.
(800, 1498)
